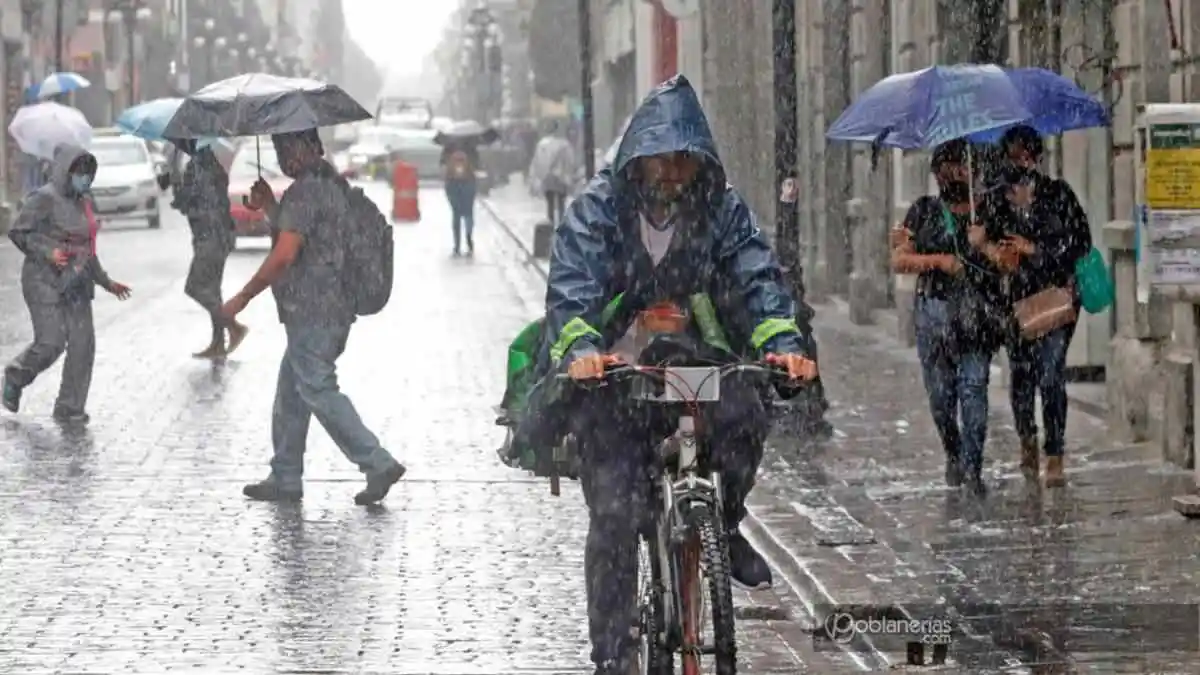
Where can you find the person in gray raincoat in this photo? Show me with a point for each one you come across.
(660, 226)
(56, 231)
(203, 196)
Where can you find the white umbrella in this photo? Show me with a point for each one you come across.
(39, 129)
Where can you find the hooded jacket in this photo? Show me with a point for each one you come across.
(54, 217)
(597, 251)
(203, 197)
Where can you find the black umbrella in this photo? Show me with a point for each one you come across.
(466, 135)
(258, 104)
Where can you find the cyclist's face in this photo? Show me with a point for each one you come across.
(670, 173)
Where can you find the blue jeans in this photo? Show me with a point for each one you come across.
(308, 388)
(956, 382)
(461, 195)
(1041, 365)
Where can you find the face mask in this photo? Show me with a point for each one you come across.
(81, 182)
(956, 191)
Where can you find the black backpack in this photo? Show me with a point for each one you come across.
(368, 273)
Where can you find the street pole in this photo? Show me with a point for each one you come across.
(585, 87)
(130, 24)
(58, 35)
(787, 222)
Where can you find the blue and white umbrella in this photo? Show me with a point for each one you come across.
(61, 83)
(148, 120)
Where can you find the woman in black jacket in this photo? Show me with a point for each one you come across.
(1049, 229)
(959, 312)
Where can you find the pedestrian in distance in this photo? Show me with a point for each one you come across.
(312, 270)
(56, 230)
(203, 197)
(460, 163)
(554, 171)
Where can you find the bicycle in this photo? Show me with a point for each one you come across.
(685, 547)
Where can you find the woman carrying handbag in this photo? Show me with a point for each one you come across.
(1048, 229)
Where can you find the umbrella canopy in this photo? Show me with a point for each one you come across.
(148, 120)
(260, 104)
(928, 107)
(60, 83)
(466, 133)
(39, 129)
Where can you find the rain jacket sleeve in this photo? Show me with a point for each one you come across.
(764, 313)
(580, 271)
(29, 233)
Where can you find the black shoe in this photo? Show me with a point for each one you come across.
(10, 396)
(269, 491)
(748, 568)
(954, 472)
(974, 485)
(378, 486)
(71, 416)
(615, 667)
(820, 430)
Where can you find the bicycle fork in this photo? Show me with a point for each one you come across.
(679, 550)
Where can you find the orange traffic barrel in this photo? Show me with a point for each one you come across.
(404, 193)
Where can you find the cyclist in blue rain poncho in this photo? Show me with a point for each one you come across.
(660, 228)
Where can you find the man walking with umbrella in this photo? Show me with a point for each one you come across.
(328, 264)
(316, 314)
(203, 197)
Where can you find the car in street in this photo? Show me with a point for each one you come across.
(253, 159)
(369, 154)
(416, 147)
(128, 182)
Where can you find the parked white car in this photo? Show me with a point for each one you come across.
(126, 184)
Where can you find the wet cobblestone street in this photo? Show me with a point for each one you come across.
(129, 548)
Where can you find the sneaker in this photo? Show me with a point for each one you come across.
(11, 396)
(748, 568)
(270, 491)
(379, 485)
(65, 416)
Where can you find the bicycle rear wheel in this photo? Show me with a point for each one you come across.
(704, 563)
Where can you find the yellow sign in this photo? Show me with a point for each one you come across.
(1173, 167)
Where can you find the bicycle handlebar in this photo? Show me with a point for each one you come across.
(624, 371)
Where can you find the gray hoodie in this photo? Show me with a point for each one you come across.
(53, 217)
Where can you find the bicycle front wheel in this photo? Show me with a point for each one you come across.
(705, 568)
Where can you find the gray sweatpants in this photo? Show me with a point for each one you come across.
(58, 327)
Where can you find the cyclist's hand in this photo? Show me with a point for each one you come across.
(591, 366)
(798, 367)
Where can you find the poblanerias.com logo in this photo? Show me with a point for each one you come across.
(843, 628)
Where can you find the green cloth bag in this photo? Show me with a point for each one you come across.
(1094, 282)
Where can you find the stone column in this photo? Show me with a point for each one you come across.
(811, 130)
(868, 210)
(832, 266)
